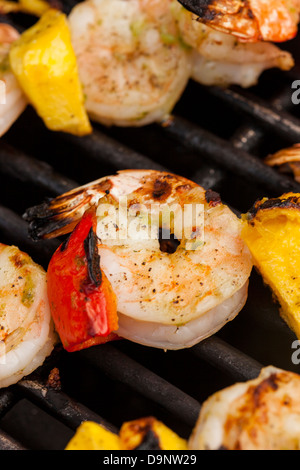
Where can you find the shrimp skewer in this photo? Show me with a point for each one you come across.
(131, 62)
(134, 67)
(15, 101)
(223, 59)
(136, 57)
(26, 334)
(166, 298)
(249, 20)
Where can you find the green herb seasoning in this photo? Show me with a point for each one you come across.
(28, 292)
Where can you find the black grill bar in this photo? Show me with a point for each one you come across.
(228, 359)
(7, 400)
(104, 149)
(250, 136)
(14, 230)
(59, 405)
(224, 154)
(267, 115)
(40, 174)
(8, 443)
(210, 178)
(20, 166)
(247, 137)
(121, 367)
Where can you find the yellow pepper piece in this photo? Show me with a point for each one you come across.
(93, 436)
(8, 7)
(272, 233)
(169, 440)
(149, 433)
(44, 62)
(34, 7)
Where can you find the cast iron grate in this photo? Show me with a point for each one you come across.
(216, 137)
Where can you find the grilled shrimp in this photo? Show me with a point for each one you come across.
(26, 331)
(131, 62)
(222, 59)
(170, 294)
(15, 101)
(261, 414)
(249, 20)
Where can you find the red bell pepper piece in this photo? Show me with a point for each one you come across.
(82, 302)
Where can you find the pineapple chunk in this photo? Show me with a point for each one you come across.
(145, 433)
(34, 7)
(150, 434)
(44, 63)
(272, 232)
(93, 436)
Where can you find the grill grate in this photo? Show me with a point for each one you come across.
(219, 144)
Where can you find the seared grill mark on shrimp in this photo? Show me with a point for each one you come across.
(213, 198)
(161, 189)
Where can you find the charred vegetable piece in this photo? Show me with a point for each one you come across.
(7, 6)
(93, 436)
(141, 434)
(82, 302)
(31, 7)
(272, 232)
(149, 434)
(44, 62)
(34, 7)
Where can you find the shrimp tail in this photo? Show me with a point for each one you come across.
(59, 216)
(54, 217)
(46, 221)
(249, 20)
(225, 15)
